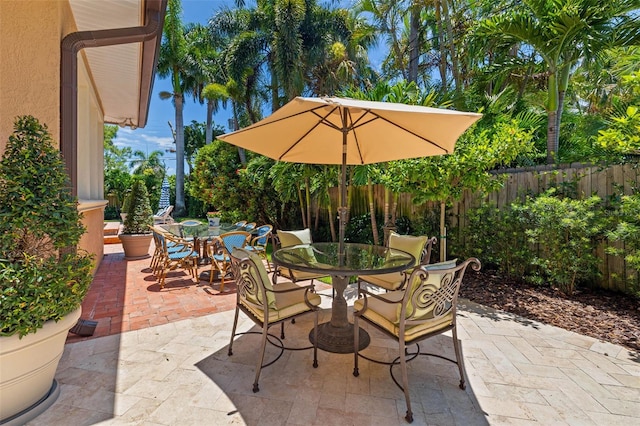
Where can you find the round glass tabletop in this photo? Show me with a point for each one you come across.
(357, 259)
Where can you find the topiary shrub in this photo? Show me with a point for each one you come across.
(42, 275)
(139, 213)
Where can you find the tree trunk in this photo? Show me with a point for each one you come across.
(316, 223)
(414, 48)
(180, 205)
(552, 119)
(307, 193)
(442, 64)
(301, 199)
(332, 225)
(455, 67)
(241, 153)
(443, 234)
(372, 210)
(209, 129)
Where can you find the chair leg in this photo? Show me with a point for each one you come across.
(265, 330)
(315, 339)
(233, 330)
(356, 343)
(282, 330)
(456, 347)
(213, 271)
(223, 273)
(405, 380)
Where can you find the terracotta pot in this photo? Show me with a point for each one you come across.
(28, 367)
(136, 246)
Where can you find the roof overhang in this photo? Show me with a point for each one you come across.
(123, 74)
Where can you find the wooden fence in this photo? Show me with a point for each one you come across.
(589, 180)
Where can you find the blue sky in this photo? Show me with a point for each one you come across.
(156, 135)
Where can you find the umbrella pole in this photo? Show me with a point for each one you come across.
(343, 190)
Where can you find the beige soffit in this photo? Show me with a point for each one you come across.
(116, 70)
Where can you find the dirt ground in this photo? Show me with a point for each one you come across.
(608, 316)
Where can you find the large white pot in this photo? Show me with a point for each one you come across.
(28, 367)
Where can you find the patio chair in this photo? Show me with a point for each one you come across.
(420, 247)
(163, 217)
(249, 226)
(259, 242)
(240, 224)
(171, 247)
(287, 239)
(426, 307)
(267, 306)
(220, 250)
(174, 253)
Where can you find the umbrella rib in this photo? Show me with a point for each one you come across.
(322, 121)
(355, 136)
(409, 131)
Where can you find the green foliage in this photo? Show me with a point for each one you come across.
(550, 237)
(139, 214)
(117, 178)
(444, 178)
(111, 212)
(498, 238)
(565, 231)
(42, 277)
(627, 231)
(623, 134)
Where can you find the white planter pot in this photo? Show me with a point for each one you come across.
(28, 367)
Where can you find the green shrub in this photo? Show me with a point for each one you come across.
(42, 276)
(566, 232)
(549, 239)
(497, 237)
(139, 213)
(627, 231)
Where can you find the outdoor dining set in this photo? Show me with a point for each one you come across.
(399, 291)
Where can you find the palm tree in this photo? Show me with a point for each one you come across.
(173, 63)
(563, 32)
(206, 77)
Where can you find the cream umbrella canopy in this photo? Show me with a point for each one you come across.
(330, 130)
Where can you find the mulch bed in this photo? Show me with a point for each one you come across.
(610, 317)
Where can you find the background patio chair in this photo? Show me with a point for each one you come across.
(420, 247)
(259, 242)
(174, 253)
(288, 239)
(267, 306)
(240, 224)
(164, 217)
(220, 250)
(425, 308)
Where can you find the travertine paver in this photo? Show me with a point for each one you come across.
(519, 372)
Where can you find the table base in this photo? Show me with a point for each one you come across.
(339, 340)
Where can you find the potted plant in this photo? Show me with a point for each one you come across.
(136, 234)
(213, 218)
(125, 206)
(43, 277)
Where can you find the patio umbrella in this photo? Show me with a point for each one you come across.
(164, 194)
(329, 130)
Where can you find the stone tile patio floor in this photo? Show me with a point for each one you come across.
(159, 357)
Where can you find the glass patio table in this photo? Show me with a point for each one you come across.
(202, 234)
(337, 334)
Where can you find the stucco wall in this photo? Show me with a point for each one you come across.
(29, 70)
(93, 220)
(30, 37)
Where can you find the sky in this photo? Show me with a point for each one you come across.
(156, 135)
